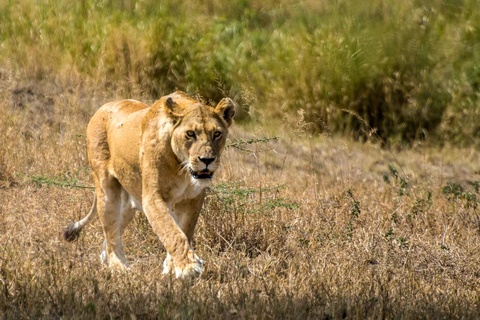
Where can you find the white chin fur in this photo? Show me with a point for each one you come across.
(201, 183)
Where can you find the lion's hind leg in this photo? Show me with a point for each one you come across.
(125, 216)
(127, 210)
(112, 209)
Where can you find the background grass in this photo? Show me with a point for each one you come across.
(303, 222)
(407, 70)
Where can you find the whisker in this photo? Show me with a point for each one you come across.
(183, 166)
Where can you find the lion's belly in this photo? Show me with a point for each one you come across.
(129, 177)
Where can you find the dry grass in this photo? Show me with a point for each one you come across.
(296, 227)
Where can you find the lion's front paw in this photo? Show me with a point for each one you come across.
(192, 267)
(190, 270)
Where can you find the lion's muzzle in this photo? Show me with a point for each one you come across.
(201, 170)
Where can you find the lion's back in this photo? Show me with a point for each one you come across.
(114, 130)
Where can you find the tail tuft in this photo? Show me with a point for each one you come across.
(73, 230)
(71, 233)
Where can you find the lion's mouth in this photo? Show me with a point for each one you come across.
(204, 174)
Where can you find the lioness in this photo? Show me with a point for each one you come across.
(158, 160)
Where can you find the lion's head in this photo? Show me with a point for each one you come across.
(199, 133)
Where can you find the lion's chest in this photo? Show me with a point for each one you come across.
(184, 190)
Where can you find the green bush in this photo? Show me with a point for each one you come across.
(374, 70)
(193, 59)
(398, 71)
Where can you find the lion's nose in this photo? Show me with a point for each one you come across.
(206, 160)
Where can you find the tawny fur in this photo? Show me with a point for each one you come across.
(152, 159)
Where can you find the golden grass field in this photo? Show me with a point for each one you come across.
(296, 227)
(302, 222)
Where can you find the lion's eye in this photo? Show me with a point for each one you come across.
(190, 134)
(217, 134)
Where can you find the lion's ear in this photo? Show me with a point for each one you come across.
(226, 109)
(171, 105)
(170, 108)
(166, 106)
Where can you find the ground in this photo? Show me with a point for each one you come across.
(296, 226)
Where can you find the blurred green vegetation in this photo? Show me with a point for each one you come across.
(397, 72)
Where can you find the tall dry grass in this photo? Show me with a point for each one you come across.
(296, 227)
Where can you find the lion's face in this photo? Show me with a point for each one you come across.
(199, 137)
(199, 144)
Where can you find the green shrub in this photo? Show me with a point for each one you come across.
(375, 69)
(188, 57)
(398, 71)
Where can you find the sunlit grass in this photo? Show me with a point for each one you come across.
(300, 223)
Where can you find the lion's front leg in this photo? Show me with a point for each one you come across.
(182, 258)
(186, 215)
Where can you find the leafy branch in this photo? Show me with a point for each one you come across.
(238, 144)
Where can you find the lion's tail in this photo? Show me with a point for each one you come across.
(72, 232)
